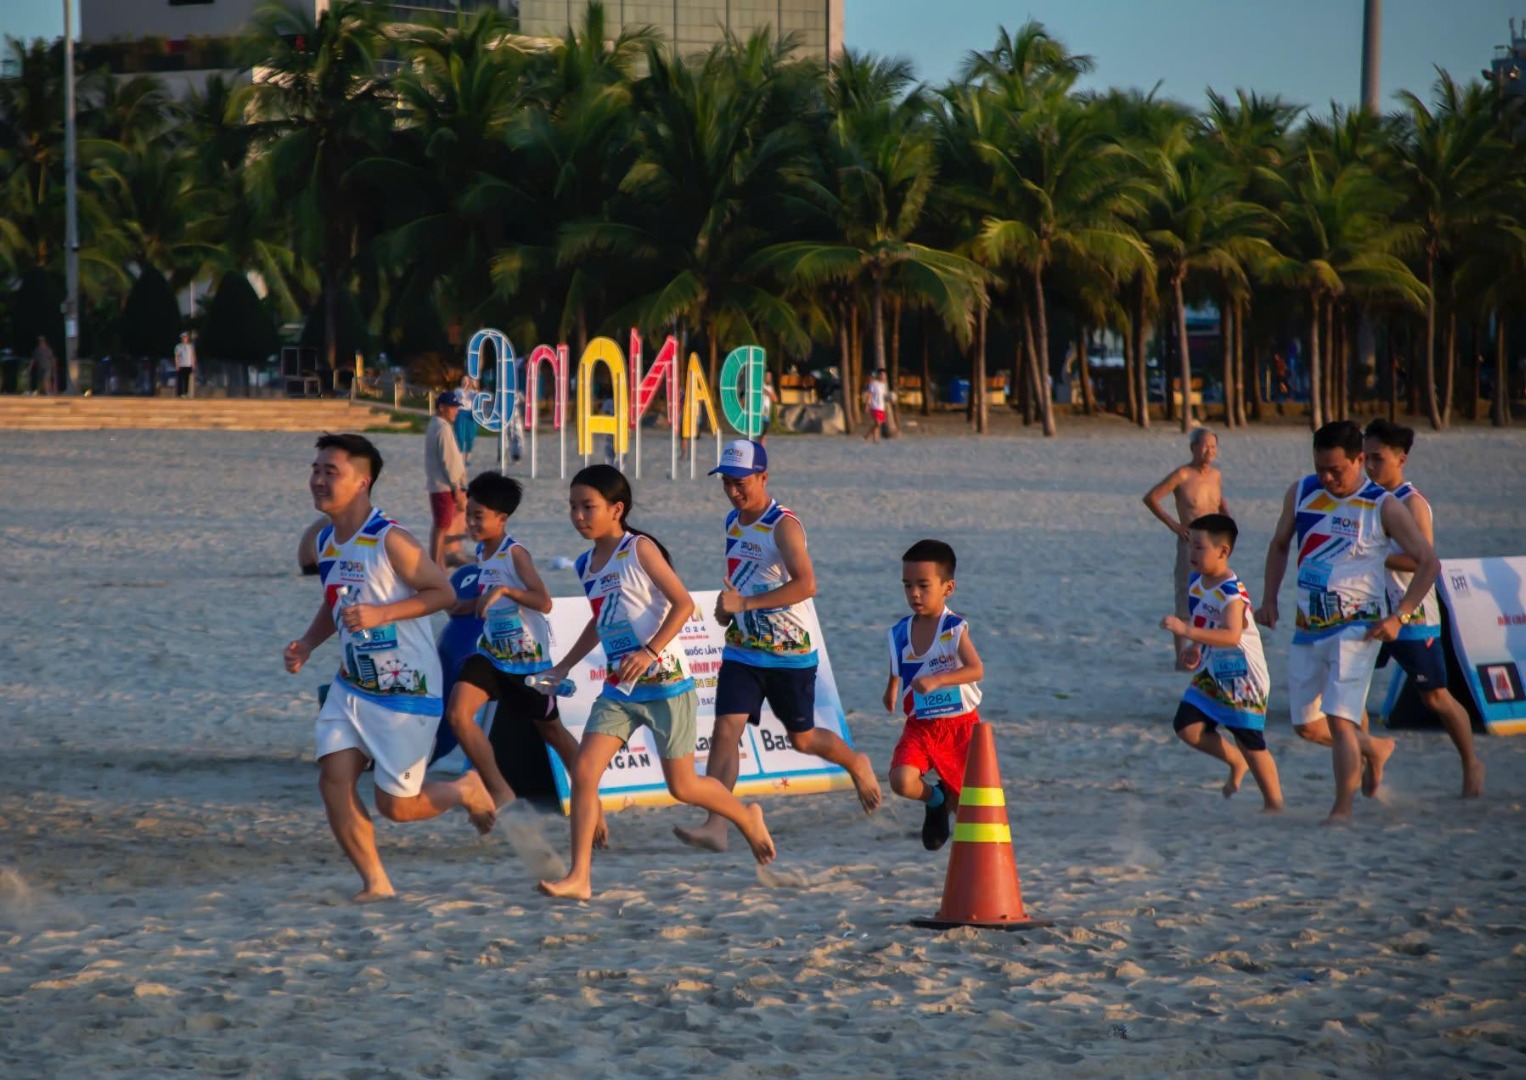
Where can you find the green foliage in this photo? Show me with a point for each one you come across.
(238, 327)
(151, 321)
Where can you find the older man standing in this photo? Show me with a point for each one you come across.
(444, 474)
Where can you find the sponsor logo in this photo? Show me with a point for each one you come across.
(750, 549)
(1344, 526)
(1458, 583)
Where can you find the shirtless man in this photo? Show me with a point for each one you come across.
(1418, 649)
(1198, 487)
(1344, 525)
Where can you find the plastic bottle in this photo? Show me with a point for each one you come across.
(349, 596)
(542, 683)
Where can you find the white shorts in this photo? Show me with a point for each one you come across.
(399, 743)
(1330, 677)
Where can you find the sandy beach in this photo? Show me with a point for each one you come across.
(171, 900)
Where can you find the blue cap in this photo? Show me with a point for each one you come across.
(450, 397)
(742, 458)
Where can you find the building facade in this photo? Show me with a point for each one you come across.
(693, 26)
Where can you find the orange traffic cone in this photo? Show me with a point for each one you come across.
(982, 887)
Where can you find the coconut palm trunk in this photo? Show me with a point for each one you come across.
(927, 368)
(1177, 280)
(1042, 385)
(1128, 372)
(1141, 360)
(1241, 312)
(1083, 367)
(1227, 341)
(1316, 371)
(1501, 410)
(978, 374)
(845, 350)
(1451, 362)
(1431, 404)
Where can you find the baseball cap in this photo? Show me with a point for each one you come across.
(450, 397)
(742, 458)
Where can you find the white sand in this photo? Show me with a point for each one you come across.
(170, 897)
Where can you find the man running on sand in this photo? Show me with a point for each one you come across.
(379, 589)
(769, 654)
(1418, 649)
(1199, 490)
(1344, 524)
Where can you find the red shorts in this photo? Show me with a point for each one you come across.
(941, 745)
(442, 506)
(878, 414)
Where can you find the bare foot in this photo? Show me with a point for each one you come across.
(570, 887)
(1271, 808)
(501, 796)
(865, 783)
(1372, 767)
(1473, 779)
(382, 890)
(757, 834)
(1237, 773)
(477, 803)
(601, 832)
(1338, 817)
(711, 835)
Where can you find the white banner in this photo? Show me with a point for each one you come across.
(768, 764)
(1486, 599)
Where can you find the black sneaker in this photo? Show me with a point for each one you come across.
(935, 830)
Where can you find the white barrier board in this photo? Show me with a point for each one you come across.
(1486, 599)
(768, 765)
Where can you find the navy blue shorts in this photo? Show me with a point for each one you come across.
(741, 689)
(1423, 661)
(1188, 714)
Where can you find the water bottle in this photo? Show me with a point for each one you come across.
(349, 596)
(542, 683)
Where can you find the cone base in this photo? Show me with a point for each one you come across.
(1012, 924)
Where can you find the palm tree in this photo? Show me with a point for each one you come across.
(881, 171)
(1446, 160)
(1198, 224)
(1065, 188)
(1336, 241)
(319, 107)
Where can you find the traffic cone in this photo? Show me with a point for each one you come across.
(981, 888)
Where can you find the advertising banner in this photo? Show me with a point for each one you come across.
(768, 765)
(1486, 599)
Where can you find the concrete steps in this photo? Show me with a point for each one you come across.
(204, 414)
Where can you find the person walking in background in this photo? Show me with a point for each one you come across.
(877, 395)
(185, 367)
(444, 477)
(465, 423)
(43, 367)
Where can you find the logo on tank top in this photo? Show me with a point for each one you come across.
(1344, 526)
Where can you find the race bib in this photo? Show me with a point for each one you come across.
(1314, 576)
(945, 702)
(505, 628)
(1228, 666)
(376, 639)
(618, 639)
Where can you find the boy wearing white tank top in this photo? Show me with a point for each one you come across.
(379, 589)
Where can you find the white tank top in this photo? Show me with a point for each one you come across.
(516, 639)
(943, 656)
(1341, 548)
(765, 637)
(1232, 684)
(395, 665)
(1425, 623)
(627, 612)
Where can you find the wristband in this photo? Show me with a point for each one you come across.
(655, 655)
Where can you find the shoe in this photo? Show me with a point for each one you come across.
(935, 830)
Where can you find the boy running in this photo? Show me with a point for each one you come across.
(769, 655)
(1231, 685)
(1418, 648)
(513, 603)
(877, 395)
(379, 589)
(936, 672)
(1344, 524)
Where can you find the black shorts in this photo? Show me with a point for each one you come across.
(741, 689)
(1188, 714)
(1424, 661)
(513, 696)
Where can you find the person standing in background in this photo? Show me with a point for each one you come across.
(185, 367)
(444, 477)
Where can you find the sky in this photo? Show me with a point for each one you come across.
(1306, 51)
